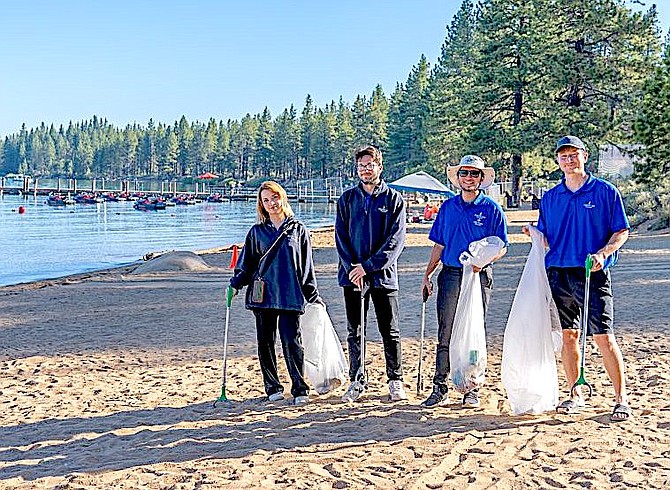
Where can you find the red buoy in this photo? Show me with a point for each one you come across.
(22, 210)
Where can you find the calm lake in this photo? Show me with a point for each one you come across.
(46, 242)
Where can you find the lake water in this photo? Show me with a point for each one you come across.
(47, 242)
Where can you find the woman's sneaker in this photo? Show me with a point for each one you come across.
(354, 392)
(396, 390)
(471, 400)
(276, 396)
(437, 397)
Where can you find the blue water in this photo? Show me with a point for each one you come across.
(47, 242)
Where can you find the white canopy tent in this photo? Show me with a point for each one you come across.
(421, 182)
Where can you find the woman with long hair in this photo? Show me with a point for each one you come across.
(277, 267)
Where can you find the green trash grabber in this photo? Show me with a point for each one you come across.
(230, 292)
(419, 378)
(581, 381)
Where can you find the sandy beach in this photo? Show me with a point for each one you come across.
(108, 380)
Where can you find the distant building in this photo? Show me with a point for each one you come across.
(613, 163)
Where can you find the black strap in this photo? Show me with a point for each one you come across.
(270, 253)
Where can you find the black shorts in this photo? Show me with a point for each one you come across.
(567, 289)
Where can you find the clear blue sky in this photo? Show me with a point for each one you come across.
(131, 60)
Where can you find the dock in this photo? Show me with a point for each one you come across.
(303, 191)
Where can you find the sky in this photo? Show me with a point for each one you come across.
(131, 60)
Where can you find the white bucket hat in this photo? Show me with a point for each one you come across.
(475, 162)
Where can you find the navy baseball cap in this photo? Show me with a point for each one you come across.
(570, 141)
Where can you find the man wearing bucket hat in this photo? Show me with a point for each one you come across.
(467, 217)
(580, 216)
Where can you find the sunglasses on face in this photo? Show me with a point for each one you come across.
(471, 173)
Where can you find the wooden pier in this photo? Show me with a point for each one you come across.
(304, 191)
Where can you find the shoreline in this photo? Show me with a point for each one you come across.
(417, 234)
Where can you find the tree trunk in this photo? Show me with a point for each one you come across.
(517, 180)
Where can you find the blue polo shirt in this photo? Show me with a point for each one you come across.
(459, 223)
(580, 223)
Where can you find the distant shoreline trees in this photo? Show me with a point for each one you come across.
(513, 75)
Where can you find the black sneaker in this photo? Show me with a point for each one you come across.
(437, 397)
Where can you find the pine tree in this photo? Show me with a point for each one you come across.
(307, 122)
(378, 114)
(344, 140)
(264, 150)
(407, 124)
(652, 126)
(447, 128)
(606, 53)
(513, 71)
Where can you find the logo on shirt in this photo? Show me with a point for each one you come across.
(589, 205)
(479, 219)
(383, 209)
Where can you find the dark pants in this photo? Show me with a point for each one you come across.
(288, 322)
(386, 310)
(448, 288)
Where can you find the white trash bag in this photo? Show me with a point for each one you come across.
(467, 348)
(528, 361)
(325, 365)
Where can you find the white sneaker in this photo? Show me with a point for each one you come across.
(396, 390)
(301, 400)
(354, 392)
(471, 400)
(276, 396)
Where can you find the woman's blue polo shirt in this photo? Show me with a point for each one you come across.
(460, 223)
(580, 223)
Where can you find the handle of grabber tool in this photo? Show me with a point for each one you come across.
(360, 375)
(581, 381)
(230, 293)
(419, 378)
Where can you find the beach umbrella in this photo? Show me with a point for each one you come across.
(421, 182)
(208, 175)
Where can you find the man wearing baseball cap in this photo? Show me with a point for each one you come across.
(465, 218)
(581, 216)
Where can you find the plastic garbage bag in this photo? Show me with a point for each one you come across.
(467, 348)
(528, 361)
(325, 365)
(481, 252)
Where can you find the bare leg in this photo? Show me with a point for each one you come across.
(613, 361)
(570, 357)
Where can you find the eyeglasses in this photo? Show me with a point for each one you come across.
(471, 173)
(568, 157)
(364, 166)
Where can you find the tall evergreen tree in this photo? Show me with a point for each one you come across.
(344, 140)
(447, 128)
(652, 127)
(606, 53)
(407, 125)
(378, 114)
(515, 39)
(264, 150)
(307, 129)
